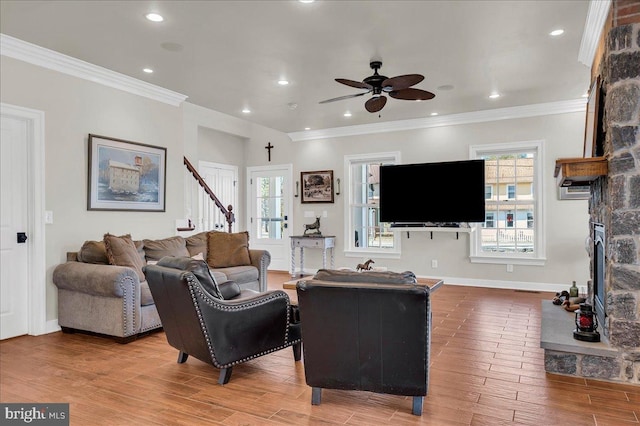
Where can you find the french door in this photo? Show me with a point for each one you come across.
(269, 215)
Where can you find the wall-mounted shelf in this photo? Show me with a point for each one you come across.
(432, 229)
(579, 171)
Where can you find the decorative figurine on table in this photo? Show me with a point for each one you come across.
(366, 266)
(313, 227)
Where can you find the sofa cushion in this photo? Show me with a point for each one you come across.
(386, 277)
(226, 249)
(240, 274)
(122, 251)
(199, 268)
(197, 243)
(172, 246)
(145, 294)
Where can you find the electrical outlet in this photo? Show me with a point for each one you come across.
(325, 213)
(509, 268)
(434, 263)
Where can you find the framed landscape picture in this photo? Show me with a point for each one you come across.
(317, 187)
(126, 175)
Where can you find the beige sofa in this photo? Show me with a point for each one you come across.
(103, 295)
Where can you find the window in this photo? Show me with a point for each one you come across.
(365, 233)
(513, 231)
(489, 220)
(488, 192)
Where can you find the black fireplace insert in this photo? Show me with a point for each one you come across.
(599, 267)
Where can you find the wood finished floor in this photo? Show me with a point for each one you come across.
(486, 369)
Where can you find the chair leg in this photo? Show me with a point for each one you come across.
(297, 351)
(417, 405)
(316, 396)
(182, 357)
(225, 375)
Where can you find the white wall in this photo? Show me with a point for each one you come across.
(74, 108)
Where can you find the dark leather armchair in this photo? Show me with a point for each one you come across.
(220, 325)
(366, 331)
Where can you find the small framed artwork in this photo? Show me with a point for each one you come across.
(593, 121)
(317, 187)
(126, 175)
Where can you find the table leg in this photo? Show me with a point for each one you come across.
(301, 261)
(332, 259)
(324, 258)
(293, 261)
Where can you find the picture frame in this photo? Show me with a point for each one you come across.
(593, 121)
(125, 175)
(317, 187)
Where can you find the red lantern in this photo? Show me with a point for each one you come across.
(586, 324)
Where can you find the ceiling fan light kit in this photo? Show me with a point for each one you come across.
(397, 87)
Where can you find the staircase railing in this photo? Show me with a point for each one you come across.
(226, 211)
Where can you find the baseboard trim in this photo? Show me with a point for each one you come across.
(507, 285)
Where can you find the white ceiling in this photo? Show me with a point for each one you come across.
(232, 53)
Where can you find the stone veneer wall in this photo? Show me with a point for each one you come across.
(615, 201)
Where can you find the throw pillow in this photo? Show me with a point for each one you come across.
(172, 246)
(197, 243)
(226, 249)
(122, 251)
(93, 252)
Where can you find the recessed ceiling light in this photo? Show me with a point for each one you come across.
(307, 128)
(306, 1)
(434, 113)
(147, 70)
(494, 95)
(154, 17)
(246, 111)
(557, 32)
(283, 82)
(347, 114)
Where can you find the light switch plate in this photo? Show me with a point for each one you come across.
(48, 217)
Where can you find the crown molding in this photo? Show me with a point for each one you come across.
(596, 18)
(525, 111)
(46, 58)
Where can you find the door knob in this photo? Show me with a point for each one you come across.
(22, 237)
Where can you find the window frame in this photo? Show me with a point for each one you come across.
(538, 256)
(350, 250)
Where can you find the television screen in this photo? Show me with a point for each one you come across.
(447, 192)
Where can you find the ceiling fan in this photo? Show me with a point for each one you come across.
(397, 87)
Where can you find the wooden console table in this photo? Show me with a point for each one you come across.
(308, 241)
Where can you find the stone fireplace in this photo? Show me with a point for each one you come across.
(614, 208)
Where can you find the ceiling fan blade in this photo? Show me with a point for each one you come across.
(375, 104)
(353, 83)
(401, 82)
(412, 94)
(339, 98)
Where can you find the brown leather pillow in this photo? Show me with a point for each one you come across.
(225, 249)
(122, 251)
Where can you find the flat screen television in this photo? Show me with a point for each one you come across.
(440, 193)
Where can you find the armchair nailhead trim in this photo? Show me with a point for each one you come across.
(195, 289)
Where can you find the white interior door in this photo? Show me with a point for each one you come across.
(222, 179)
(269, 215)
(14, 273)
